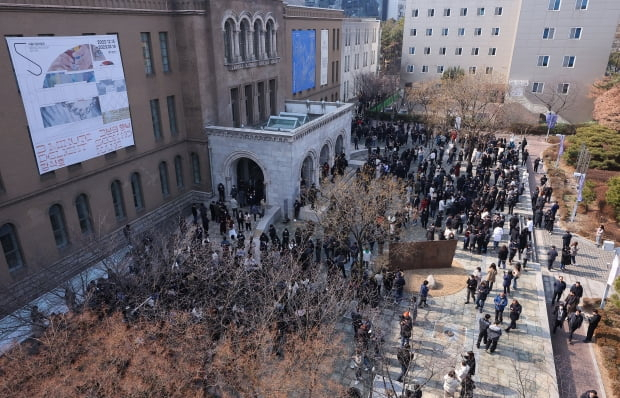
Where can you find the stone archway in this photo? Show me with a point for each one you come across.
(339, 145)
(250, 181)
(307, 172)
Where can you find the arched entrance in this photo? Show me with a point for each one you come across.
(307, 172)
(250, 182)
(324, 155)
(339, 145)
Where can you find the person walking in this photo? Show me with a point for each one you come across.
(493, 334)
(516, 274)
(600, 231)
(424, 294)
(502, 256)
(472, 285)
(560, 315)
(574, 322)
(573, 252)
(592, 324)
(491, 275)
(578, 290)
(500, 302)
(571, 302)
(507, 281)
(467, 387)
(552, 254)
(558, 289)
(406, 327)
(515, 314)
(589, 394)
(483, 326)
(404, 357)
(566, 238)
(481, 295)
(565, 258)
(450, 384)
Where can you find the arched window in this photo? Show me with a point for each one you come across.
(136, 189)
(243, 40)
(83, 213)
(59, 228)
(178, 171)
(163, 179)
(268, 39)
(117, 200)
(10, 246)
(229, 40)
(196, 168)
(258, 29)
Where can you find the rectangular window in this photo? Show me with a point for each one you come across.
(413, 32)
(145, 38)
(581, 5)
(163, 47)
(537, 87)
(499, 10)
(492, 51)
(495, 32)
(249, 104)
(415, 13)
(10, 247)
(444, 31)
(156, 118)
(548, 33)
(234, 106)
(475, 51)
(427, 50)
(163, 179)
(463, 12)
(446, 12)
(172, 115)
(439, 68)
(472, 70)
(461, 32)
(424, 69)
(575, 33)
(458, 51)
(411, 50)
(554, 5)
(196, 168)
(366, 59)
(563, 88)
(480, 11)
(410, 68)
(543, 60)
(260, 87)
(477, 31)
(273, 101)
(489, 70)
(431, 12)
(429, 32)
(442, 51)
(569, 61)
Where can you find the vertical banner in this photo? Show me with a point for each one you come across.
(324, 55)
(304, 59)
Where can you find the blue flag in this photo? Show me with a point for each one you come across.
(551, 119)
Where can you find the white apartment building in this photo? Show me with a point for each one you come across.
(540, 47)
(360, 45)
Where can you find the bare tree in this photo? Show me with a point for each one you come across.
(557, 96)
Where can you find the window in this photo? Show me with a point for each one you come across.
(156, 118)
(163, 179)
(136, 190)
(10, 247)
(461, 32)
(427, 50)
(548, 33)
(270, 39)
(415, 13)
(575, 33)
(439, 68)
(475, 51)
(442, 51)
(413, 32)
(499, 10)
(424, 69)
(145, 38)
(429, 32)
(196, 168)
(480, 11)
(117, 200)
(228, 40)
(244, 29)
(234, 107)
(59, 227)
(256, 39)
(492, 51)
(178, 171)
(463, 12)
(581, 5)
(163, 46)
(83, 212)
(410, 68)
(172, 115)
(569, 61)
(446, 12)
(248, 94)
(495, 32)
(537, 87)
(472, 70)
(431, 12)
(444, 31)
(543, 60)
(554, 5)
(411, 50)
(489, 70)
(477, 31)
(563, 88)
(458, 51)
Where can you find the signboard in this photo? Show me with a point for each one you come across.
(324, 55)
(74, 94)
(304, 60)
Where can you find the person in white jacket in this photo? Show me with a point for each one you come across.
(498, 233)
(450, 384)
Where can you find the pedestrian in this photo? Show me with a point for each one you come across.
(565, 258)
(573, 252)
(467, 387)
(399, 286)
(558, 289)
(493, 334)
(502, 256)
(498, 233)
(536, 164)
(470, 358)
(404, 357)
(566, 238)
(589, 394)
(450, 384)
(515, 314)
(481, 295)
(578, 290)
(560, 315)
(406, 327)
(507, 281)
(574, 322)
(592, 324)
(599, 235)
(571, 302)
(552, 254)
(516, 273)
(483, 326)
(500, 302)
(491, 275)
(527, 255)
(462, 371)
(424, 294)
(472, 285)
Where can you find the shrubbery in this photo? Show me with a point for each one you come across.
(613, 194)
(541, 129)
(603, 144)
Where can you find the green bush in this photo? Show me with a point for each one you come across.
(603, 144)
(613, 194)
(541, 129)
(588, 195)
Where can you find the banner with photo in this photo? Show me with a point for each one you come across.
(75, 97)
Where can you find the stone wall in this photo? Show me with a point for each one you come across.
(416, 255)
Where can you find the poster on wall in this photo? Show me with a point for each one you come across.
(74, 94)
(324, 55)
(304, 60)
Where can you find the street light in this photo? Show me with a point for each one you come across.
(613, 273)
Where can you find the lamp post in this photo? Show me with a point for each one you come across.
(613, 273)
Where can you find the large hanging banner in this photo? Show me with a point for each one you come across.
(304, 60)
(324, 55)
(75, 97)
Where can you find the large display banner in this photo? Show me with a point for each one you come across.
(304, 60)
(75, 97)
(324, 55)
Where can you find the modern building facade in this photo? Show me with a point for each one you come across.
(541, 48)
(361, 43)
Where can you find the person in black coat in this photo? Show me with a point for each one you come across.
(593, 323)
(574, 322)
(560, 315)
(515, 314)
(558, 289)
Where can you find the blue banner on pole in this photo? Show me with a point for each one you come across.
(561, 150)
(582, 180)
(551, 120)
